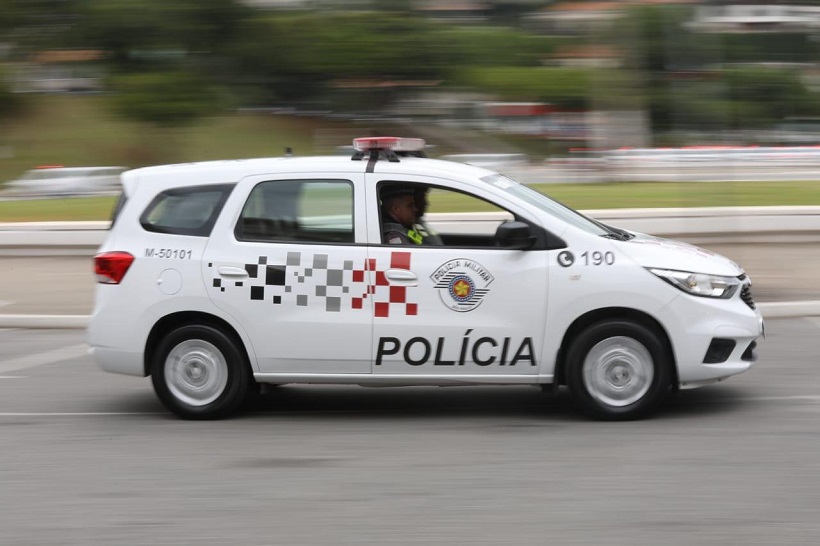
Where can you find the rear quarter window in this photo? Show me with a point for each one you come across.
(192, 210)
(309, 211)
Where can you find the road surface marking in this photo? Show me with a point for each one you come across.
(48, 357)
(808, 397)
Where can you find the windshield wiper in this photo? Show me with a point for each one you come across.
(617, 234)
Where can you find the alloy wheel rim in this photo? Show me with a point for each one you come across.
(196, 372)
(618, 371)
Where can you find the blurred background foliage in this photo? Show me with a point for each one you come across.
(167, 65)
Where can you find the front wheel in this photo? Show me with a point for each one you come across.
(618, 370)
(198, 372)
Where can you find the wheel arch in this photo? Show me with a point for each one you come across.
(611, 313)
(173, 321)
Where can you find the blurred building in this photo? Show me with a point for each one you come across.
(771, 17)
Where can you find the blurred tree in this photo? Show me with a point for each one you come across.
(165, 99)
(37, 24)
(140, 32)
(565, 87)
(770, 94)
(295, 56)
(510, 12)
(498, 46)
(11, 104)
(774, 47)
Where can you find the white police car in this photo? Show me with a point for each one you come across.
(218, 276)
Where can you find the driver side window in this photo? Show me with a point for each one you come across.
(464, 220)
(443, 217)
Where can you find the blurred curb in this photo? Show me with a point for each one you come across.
(771, 310)
(790, 309)
(45, 321)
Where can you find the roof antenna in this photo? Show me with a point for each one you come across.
(288, 152)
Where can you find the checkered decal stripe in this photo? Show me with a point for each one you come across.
(303, 278)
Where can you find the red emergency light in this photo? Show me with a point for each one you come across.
(395, 144)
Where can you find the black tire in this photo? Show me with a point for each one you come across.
(199, 372)
(618, 370)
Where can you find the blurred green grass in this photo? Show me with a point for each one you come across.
(578, 196)
(82, 130)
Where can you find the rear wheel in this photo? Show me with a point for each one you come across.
(618, 370)
(198, 372)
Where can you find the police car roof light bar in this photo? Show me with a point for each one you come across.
(395, 144)
(389, 148)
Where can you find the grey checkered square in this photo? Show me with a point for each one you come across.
(334, 304)
(301, 300)
(320, 261)
(335, 277)
(294, 258)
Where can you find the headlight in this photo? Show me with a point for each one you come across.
(699, 284)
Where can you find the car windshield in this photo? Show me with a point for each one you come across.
(550, 206)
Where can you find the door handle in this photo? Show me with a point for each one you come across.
(402, 277)
(231, 271)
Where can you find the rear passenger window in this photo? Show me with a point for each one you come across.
(315, 211)
(186, 211)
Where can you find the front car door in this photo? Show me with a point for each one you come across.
(286, 266)
(466, 308)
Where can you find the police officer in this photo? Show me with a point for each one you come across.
(428, 234)
(399, 215)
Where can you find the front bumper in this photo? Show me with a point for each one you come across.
(694, 323)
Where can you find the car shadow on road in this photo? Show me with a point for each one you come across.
(499, 401)
(711, 400)
(518, 402)
(392, 402)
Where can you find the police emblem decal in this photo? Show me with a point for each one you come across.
(462, 284)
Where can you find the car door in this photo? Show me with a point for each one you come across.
(467, 308)
(284, 265)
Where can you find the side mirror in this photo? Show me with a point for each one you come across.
(514, 235)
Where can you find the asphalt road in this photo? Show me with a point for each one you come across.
(64, 285)
(92, 458)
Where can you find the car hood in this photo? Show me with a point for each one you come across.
(649, 251)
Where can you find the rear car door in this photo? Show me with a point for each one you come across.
(283, 266)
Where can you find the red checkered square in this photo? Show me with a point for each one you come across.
(358, 275)
(382, 309)
(400, 260)
(357, 303)
(398, 294)
(412, 309)
(381, 280)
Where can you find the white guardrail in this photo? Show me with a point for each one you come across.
(697, 225)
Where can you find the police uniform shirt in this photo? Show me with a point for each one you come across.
(397, 234)
(428, 234)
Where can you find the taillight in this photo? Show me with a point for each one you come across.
(110, 267)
